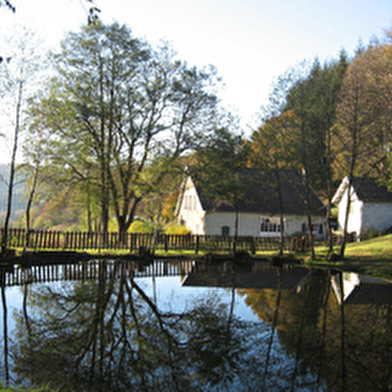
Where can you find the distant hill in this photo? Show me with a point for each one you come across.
(19, 199)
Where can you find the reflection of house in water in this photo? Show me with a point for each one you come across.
(257, 275)
(361, 289)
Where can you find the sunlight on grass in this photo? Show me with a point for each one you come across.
(376, 248)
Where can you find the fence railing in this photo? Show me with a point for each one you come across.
(135, 242)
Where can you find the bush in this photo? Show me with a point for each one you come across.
(177, 229)
(370, 233)
(142, 227)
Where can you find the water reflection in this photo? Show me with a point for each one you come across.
(112, 330)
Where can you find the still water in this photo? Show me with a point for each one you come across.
(191, 326)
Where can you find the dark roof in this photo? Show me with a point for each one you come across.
(369, 189)
(259, 194)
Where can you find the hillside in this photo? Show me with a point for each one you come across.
(19, 195)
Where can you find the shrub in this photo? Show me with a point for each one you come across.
(370, 233)
(142, 227)
(177, 229)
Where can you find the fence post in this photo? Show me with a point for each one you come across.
(253, 246)
(131, 243)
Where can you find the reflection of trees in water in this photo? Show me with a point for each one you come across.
(347, 346)
(5, 333)
(359, 337)
(110, 335)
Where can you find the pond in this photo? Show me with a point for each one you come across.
(193, 326)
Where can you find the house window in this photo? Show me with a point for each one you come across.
(315, 228)
(189, 202)
(270, 225)
(225, 230)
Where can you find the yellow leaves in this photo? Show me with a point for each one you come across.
(275, 143)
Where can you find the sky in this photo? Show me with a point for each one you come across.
(250, 42)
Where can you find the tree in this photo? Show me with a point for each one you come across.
(32, 171)
(7, 4)
(354, 135)
(272, 148)
(314, 100)
(219, 168)
(19, 73)
(159, 179)
(92, 16)
(114, 104)
(295, 132)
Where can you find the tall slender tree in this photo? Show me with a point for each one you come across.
(354, 136)
(19, 72)
(272, 148)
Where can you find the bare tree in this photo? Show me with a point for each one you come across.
(19, 72)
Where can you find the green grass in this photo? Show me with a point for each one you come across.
(20, 389)
(379, 248)
(373, 257)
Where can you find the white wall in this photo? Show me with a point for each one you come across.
(376, 216)
(191, 212)
(364, 216)
(355, 216)
(249, 224)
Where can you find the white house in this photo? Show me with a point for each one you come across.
(370, 205)
(259, 208)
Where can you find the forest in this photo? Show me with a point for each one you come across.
(105, 139)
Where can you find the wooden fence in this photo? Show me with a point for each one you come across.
(58, 240)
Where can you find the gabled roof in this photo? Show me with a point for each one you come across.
(260, 194)
(367, 189)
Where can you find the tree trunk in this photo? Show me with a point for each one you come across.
(346, 218)
(156, 227)
(311, 237)
(309, 216)
(280, 201)
(5, 329)
(30, 203)
(4, 240)
(235, 228)
(350, 182)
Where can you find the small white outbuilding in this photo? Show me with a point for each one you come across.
(370, 205)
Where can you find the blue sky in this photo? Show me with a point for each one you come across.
(250, 42)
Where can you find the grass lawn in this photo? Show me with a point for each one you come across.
(372, 256)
